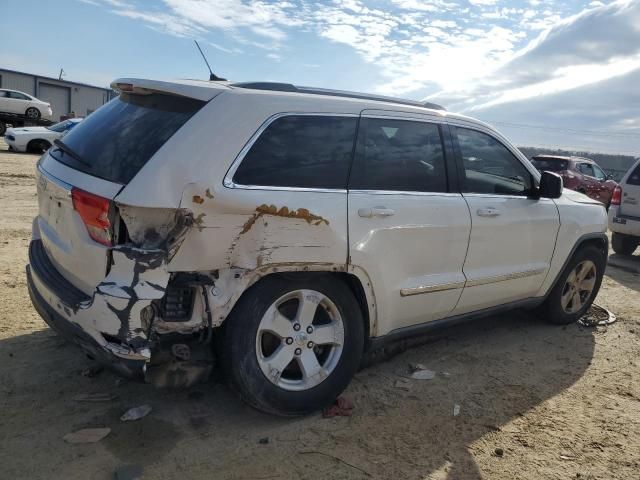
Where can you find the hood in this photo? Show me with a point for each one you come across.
(29, 130)
(578, 197)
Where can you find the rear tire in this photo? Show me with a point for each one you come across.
(32, 113)
(576, 288)
(262, 333)
(624, 244)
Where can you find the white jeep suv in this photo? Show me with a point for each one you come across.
(624, 213)
(283, 231)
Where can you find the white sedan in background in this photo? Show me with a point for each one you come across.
(13, 101)
(37, 139)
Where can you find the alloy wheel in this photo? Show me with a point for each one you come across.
(578, 287)
(300, 340)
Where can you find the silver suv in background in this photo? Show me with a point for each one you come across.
(281, 232)
(624, 213)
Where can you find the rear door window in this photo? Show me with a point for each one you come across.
(119, 138)
(301, 151)
(586, 169)
(399, 155)
(550, 165)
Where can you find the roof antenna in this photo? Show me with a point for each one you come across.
(212, 76)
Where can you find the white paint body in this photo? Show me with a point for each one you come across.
(14, 101)
(18, 139)
(434, 257)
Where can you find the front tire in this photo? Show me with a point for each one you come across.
(38, 146)
(32, 113)
(576, 288)
(293, 343)
(624, 244)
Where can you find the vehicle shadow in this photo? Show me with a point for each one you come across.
(494, 370)
(624, 276)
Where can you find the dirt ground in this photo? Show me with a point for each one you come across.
(558, 403)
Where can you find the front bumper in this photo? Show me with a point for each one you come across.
(108, 324)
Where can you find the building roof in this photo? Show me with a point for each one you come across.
(80, 84)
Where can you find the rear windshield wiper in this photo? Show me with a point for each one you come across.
(69, 151)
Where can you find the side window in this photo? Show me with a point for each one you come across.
(18, 96)
(301, 151)
(634, 178)
(598, 173)
(399, 155)
(3, 93)
(489, 167)
(586, 169)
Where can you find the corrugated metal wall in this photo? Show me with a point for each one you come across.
(82, 99)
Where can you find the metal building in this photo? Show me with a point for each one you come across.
(64, 96)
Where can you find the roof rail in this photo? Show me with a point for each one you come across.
(288, 87)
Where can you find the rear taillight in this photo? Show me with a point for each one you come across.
(616, 197)
(94, 211)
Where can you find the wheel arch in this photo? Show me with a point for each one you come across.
(31, 143)
(596, 239)
(232, 284)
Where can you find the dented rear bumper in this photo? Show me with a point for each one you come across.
(108, 325)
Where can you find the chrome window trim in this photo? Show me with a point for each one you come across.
(406, 292)
(228, 178)
(406, 192)
(498, 196)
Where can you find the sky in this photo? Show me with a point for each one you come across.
(545, 73)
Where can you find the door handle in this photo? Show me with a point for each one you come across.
(375, 212)
(488, 212)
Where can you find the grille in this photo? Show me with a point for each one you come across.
(177, 304)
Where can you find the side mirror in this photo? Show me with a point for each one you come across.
(609, 177)
(550, 185)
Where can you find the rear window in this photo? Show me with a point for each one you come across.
(116, 140)
(303, 151)
(550, 165)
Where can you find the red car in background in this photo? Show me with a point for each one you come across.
(579, 174)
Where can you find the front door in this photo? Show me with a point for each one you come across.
(407, 229)
(512, 235)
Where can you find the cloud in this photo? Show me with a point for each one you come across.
(587, 48)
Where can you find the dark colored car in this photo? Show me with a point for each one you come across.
(579, 174)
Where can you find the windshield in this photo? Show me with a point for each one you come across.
(550, 165)
(60, 127)
(118, 139)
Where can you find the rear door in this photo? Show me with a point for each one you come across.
(408, 228)
(512, 235)
(17, 102)
(630, 204)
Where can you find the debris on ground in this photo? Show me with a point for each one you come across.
(597, 316)
(263, 441)
(456, 410)
(499, 452)
(127, 472)
(87, 435)
(92, 371)
(418, 371)
(403, 384)
(136, 413)
(342, 407)
(94, 397)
